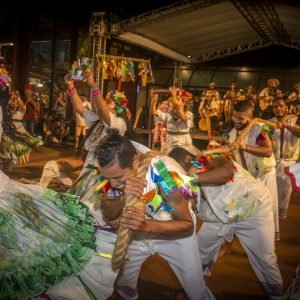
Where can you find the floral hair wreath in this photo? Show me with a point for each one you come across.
(120, 100)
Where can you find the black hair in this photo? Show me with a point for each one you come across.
(179, 154)
(114, 146)
(281, 99)
(8, 127)
(242, 106)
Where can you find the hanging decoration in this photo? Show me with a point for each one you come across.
(124, 69)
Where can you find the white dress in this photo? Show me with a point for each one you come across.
(178, 132)
(45, 237)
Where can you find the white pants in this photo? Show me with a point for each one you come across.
(270, 182)
(51, 171)
(183, 257)
(96, 278)
(284, 186)
(256, 234)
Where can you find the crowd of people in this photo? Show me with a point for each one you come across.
(219, 109)
(61, 246)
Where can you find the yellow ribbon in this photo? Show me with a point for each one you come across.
(107, 255)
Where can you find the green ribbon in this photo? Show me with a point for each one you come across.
(164, 179)
(176, 133)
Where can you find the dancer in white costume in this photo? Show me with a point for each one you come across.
(48, 240)
(109, 110)
(255, 152)
(286, 150)
(169, 226)
(232, 203)
(46, 237)
(177, 120)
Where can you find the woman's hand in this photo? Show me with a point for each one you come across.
(69, 82)
(173, 91)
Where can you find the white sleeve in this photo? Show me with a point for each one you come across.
(118, 123)
(90, 118)
(190, 119)
(162, 115)
(88, 105)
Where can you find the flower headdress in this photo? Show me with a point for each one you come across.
(186, 96)
(182, 97)
(120, 100)
(5, 79)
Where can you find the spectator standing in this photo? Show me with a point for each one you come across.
(31, 115)
(81, 125)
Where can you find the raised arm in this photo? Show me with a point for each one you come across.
(21, 103)
(153, 103)
(102, 106)
(74, 97)
(179, 105)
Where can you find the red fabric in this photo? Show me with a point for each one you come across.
(31, 113)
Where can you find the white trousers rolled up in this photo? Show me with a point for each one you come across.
(256, 234)
(270, 182)
(284, 186)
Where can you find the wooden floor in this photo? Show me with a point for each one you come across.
(233, 277)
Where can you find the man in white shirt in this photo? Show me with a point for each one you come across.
(232, 203)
